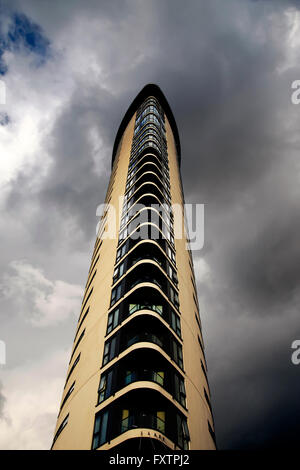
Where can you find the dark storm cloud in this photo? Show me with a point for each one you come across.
(219, 70)
(73, 188)
(261, 392)
(224, 92)
(267, 269)
(73, 184)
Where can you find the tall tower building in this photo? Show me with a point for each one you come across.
(137, 376)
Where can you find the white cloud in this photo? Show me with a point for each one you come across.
(32, 394)
(52, 302)
(31, 118)
(202, 270)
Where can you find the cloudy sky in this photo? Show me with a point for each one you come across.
(71, 69)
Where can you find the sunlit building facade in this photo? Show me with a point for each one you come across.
(137, 376)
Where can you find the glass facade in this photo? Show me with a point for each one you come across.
(148, 257)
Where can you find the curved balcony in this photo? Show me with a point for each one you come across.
(147, 300)
(149, 135)
(153, 169)
(148, 118)
(147, 188)
(147, 216)
(157, 166)
(149, 144)
(130, 243)
(134, 443)
(149, 156)
(162, 158)
(141, 410)
(146, 200)
(137, 168)
(153, 187)
(148, 177)
(150, 126)
(150, 129)
(146, 231)
(143, 252)
(142, 365)
(151, 141)
(143, 329)
(141, 273)
(149, 232)
(147, 166)
(148, 111)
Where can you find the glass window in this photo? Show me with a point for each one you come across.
(100, 429)
(102, 388)
(175, 323)
(180, 394)
(113, 320)
(180, 362)
(130, 192)
(116, 294)
(133, 308)
(170, 253)
(160, 421)
(198, 319)
(123, 233)
(71, 389)
(72, 368)
(158, 377)
(125, 420)
(174, 297)
(130, 376)
(177, 353)
(105, 386)
(119, 271)
(200, 343)
(77, 344)
(121, 252)
(109, 350)
(172, 273)
(124, 220)
(156, 308)
(61, 427)
(182, 432)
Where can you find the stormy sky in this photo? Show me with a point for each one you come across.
(71, 69)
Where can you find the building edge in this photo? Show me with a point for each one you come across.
(149, 90)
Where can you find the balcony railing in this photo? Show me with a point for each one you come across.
(141, 337)
(145, 157)
(147, 375)
(132, 308)
(143, 421)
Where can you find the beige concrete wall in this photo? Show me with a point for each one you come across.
(198, 409)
